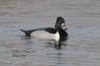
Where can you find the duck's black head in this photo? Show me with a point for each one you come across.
(60, 23)
(61, 26)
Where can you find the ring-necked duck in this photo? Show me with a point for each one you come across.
(58, 33)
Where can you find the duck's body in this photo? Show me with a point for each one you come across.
(58, 33)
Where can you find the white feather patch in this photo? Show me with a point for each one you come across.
(45, 35)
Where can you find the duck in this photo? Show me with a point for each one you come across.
(57, 33)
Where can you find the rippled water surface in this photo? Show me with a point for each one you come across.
(82, 20)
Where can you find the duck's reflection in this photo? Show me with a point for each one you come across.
(57, 58)
(59, 46)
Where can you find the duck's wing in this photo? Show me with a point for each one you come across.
(47, 29)
(50, 30)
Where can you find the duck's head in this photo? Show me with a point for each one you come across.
(60, 23)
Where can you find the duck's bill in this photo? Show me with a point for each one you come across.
(65, 28)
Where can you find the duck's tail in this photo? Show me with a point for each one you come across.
(27, 32)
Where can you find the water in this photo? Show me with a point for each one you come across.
(82, 19)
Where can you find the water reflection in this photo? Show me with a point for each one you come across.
(52, 44)
(26, 47)
(57, 58)
(3, 2)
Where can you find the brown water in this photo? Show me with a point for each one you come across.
(82, 19)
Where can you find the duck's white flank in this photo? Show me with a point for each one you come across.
(45, 35)
(57, 37)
